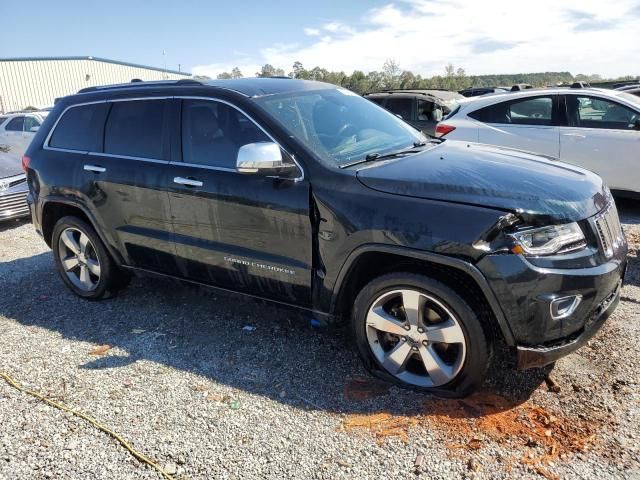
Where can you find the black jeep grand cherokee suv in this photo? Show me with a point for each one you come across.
(309, 195)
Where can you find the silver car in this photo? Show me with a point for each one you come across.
(13, 187)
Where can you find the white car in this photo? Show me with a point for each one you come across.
(18, 129)
(593, 128)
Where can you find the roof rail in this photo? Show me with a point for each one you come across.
(136, 82)
(399, 90)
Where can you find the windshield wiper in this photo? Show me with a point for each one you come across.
(379, 156)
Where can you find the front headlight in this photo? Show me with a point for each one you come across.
(548, 240)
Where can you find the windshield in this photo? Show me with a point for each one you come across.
(340, 126)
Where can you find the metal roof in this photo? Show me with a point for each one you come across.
(97, 59)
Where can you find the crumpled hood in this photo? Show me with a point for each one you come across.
(10, 165)
(541, 190)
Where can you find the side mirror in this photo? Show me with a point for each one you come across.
(264, 158)
(34, 129)
(636, 125)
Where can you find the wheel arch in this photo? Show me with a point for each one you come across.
(369, 261)
(53, 209)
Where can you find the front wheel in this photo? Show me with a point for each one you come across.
(418, 333)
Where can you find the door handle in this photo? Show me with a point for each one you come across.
(95, 168)
(575, 135)
(189, 182)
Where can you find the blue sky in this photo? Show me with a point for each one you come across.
(207, 37)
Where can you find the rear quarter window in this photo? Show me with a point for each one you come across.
(524, 111)
(80, 128)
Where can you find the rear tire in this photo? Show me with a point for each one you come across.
(418, 333)
(83, 262)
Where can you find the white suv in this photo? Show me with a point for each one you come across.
(593, 128)
(18, 129)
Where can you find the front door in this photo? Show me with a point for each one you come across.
(602, 136)
(246, 233)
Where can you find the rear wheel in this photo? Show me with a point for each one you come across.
(83, 262)
(418, 333)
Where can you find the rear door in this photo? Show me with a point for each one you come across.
(119, 153)
(247, 233)
(526, 124)
(601, 136)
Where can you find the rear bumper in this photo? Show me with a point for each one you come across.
(530, 357)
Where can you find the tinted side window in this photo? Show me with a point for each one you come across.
(593, 112)
(400, 106)
(134, 129)
(212, 133)
(15, 125)
(80, 128)
(528, 111)
(377, 100)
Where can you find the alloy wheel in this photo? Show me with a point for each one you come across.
(79, 259)
(416, 338)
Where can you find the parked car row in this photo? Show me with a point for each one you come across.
(592, 128)
(18, 129)
(16, 132)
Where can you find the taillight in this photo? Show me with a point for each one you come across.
(25, 162)
(442, 129)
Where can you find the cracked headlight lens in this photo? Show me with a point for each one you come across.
(549, 240)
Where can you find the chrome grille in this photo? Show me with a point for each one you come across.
(609, 231)
(13, 205)
(9, 182)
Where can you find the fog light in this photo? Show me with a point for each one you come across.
(565, 306)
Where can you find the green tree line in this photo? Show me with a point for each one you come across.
(392, 76)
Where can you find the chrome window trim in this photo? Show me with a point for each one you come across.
(203, 166)
(46, 145)
(127, 157)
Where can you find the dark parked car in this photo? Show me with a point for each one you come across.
(13, 187)
(308, 195)
(421, 108)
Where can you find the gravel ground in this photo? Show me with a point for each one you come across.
(188, 386)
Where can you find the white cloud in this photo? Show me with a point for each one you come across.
(483, 37)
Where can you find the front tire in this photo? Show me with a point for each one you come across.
(82, 260)
(418, 333)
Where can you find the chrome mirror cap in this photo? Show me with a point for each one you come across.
(262, 157)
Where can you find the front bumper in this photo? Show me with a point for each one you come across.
(526, 291)
(530, 357)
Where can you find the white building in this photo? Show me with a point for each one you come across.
(38, 81)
